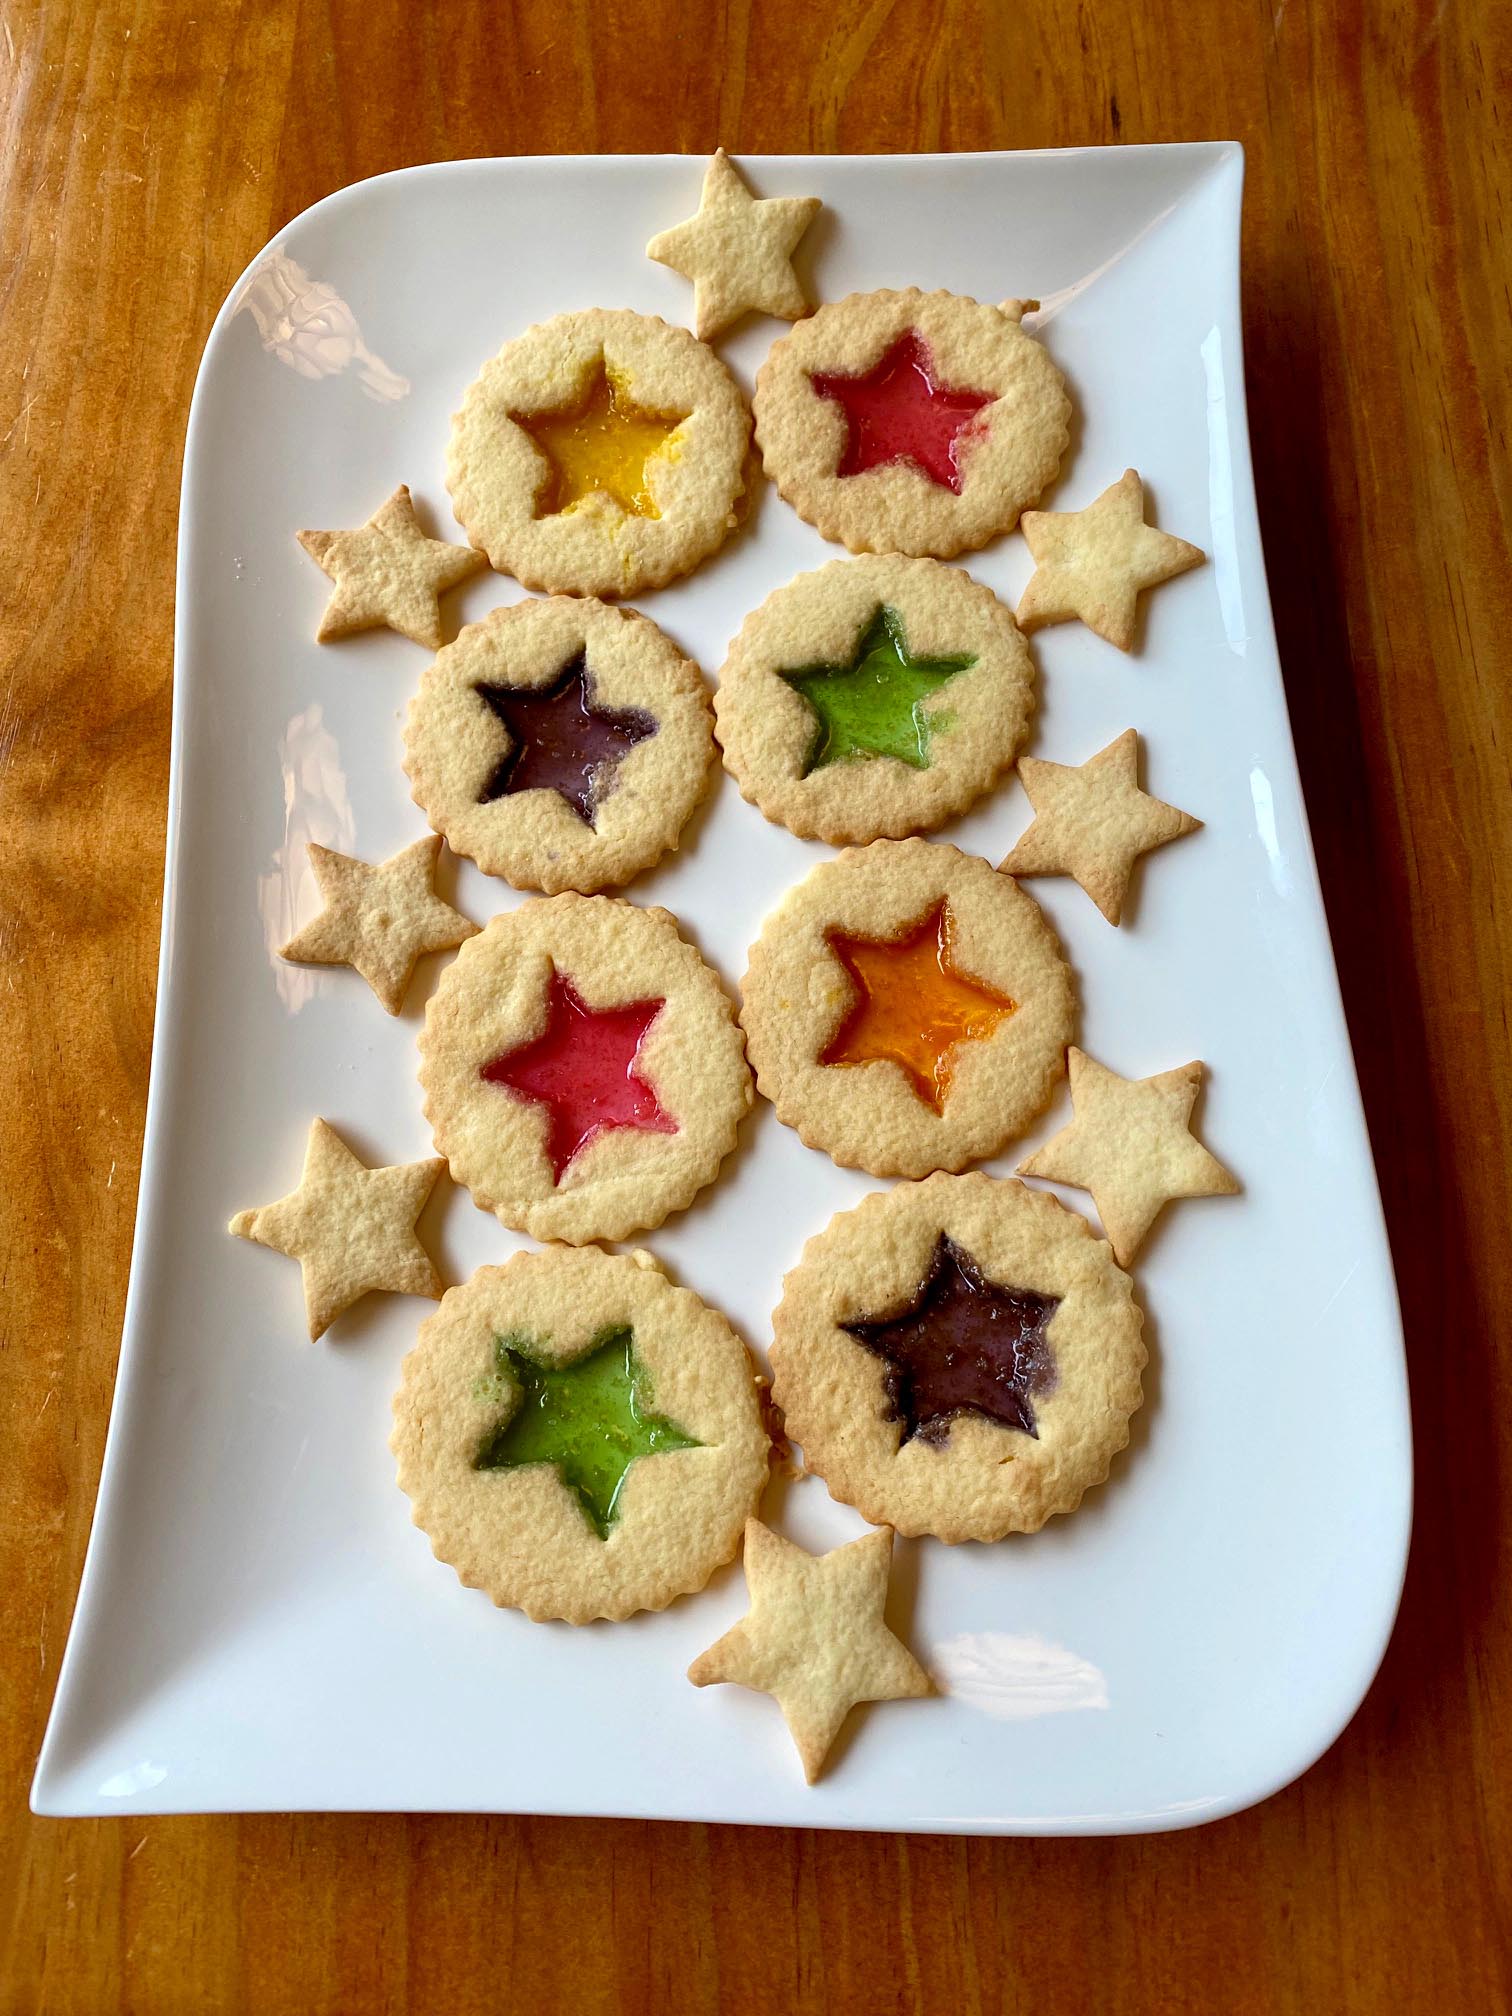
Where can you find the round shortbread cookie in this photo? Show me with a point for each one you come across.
(958, 1357)
(599, 453)
(875, 696)
(582, 1068)
(561, 743)
(905, 422)
(907, 1008)
(578, 1437)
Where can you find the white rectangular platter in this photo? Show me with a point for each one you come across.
(260, 1626)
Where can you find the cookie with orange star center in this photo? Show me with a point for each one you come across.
(583, 1070)
(906, 422)
(959, 1357)
(562, 743)
(907, 1008)
(599, 453)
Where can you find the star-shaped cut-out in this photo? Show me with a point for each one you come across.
(562, 740)
(582, 1069)
(815, 1638)
(602, 446)
(379, 920)
(1095, 563)
(1131, 1146)
(351, 1228)
(591, 1419)
(898, 411)
(388, 573)
(737, 250)
(913, 1006)
(962, 1345)
(874, 705)
(1092, 822)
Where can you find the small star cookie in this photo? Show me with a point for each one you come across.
(1092, 822)
(351, 1228)
(379, 920)
(1093, 563)
(388, 573)
(1131, 1146)
(737, 250)
(814, 1637)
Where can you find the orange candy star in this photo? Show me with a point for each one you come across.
(604, 445)
(912, 1005)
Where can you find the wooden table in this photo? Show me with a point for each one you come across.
(149, 150)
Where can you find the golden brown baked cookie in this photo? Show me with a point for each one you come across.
(600, 453)
(561, 743)
(388, 574)
(907, 1008)
(578, 1437)
(905, 422)
(958, 1357)
(582, 1067)
(875, 696)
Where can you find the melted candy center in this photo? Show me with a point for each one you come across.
(964, 1344)
(900, 412)
(582, 1069)
(875, 704)
(603, 445)
(912, 1005)
(590, 1419)
(562, 740)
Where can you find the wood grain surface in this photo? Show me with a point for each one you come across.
(149, 150)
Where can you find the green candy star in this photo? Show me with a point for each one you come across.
(591, 1419)
(874, 706)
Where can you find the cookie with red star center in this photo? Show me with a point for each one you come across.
(959, 1357)
(561, 743)
(578, 1437)
(599, 453)
(906, 422)
(878, 696)
(583, 1071)
(907, 1008)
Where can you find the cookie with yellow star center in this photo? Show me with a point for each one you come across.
(905, 422)
(815, 1638)
(351, 1228)
(600, 453)
(959, 1357)
(907, 1008)
(583, 1070)
(388, 574)
(562, 743)
(878, 696)
(578, 1437)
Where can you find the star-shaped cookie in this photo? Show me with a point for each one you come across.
(737, 250)
(1094, 563)
(1131, 1146)
(379, 920)
(389, 573)
(1092, 822)
(351, 1228)
(814, 1637)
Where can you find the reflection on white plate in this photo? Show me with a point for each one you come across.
(1015, 1678)
(305, 324)
(316, 808)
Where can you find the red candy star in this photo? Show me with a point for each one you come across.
(898, 412)
(581, 1068)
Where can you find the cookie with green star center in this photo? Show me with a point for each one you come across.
(578, 1437)
(959, 1357)
(874, 698)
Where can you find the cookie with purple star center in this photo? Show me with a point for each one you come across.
(583, 1071)
(906, 422)
(561, 743)
(959, 1357)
